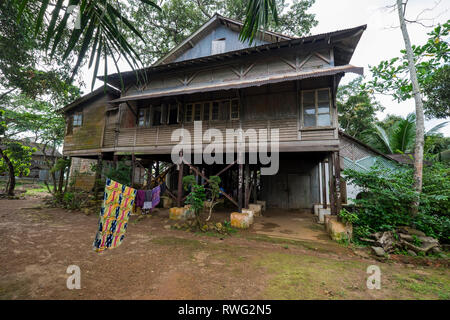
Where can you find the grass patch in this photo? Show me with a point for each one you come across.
(37, 191)
(315, 246)
(309, 277)
(425, 286)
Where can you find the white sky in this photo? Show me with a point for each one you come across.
(381, 41)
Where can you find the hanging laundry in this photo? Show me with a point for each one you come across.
(117, 205)
(140, 198)
(148, 200)
(155, 196)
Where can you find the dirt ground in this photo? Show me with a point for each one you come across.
(156, 262)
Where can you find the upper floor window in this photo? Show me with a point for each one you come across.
(211, 110)
(316, 108)
(77, 119)
(218, 46)
(234, 109)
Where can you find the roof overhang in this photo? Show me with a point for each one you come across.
(98, 92)
(242, 83)
(343, 41)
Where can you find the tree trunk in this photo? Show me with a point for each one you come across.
(12, 179)
(420, 123)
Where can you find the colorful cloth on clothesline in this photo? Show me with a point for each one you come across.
(140, 198)
(118, 202)
(155, 196)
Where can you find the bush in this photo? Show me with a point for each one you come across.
(389, 194)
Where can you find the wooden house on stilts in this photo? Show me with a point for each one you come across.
(279, 82)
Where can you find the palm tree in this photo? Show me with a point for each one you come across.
(99, 25)
(400, 137)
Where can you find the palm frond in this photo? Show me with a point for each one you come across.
(258, 14)
(101, 27)
(403, 134)
(436, 128)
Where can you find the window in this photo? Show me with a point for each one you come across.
(212, 110)
(206, 111)
(156, 119)
(215, 111)
(77, 119)
(141, 118)
(234, 110)
(218, 46)
(197, 112)
(172, 117)
(188, 115)
(144, 117)
(316, 108)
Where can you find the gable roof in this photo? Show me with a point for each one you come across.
(343, 41)
(100, 91)
(214, 22)
(354, 140)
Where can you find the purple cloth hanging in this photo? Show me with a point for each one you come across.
(140, 198)
(155, 196)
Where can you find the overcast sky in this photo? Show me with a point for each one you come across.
(381, 41)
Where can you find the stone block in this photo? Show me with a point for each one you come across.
(256, 208)
(322, 214)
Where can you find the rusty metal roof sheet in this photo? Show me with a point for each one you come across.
(241, 83)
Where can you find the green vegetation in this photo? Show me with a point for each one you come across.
(388, 195)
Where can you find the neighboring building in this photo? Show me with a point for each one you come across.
(280, 83)
(360, 157)
(39, 168)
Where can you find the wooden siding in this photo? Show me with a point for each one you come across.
(90, 134)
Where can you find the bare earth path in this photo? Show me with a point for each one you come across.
(37, 246)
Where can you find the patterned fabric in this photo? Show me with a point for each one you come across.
(155, 196)
(118, 202)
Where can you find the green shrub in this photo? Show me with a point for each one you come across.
(388, 194)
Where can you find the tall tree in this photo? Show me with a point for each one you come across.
(420, 121)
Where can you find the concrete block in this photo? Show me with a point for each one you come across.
(322, 214)
(316, 209)
(180, 213)
(337, 230)
(256, 208)
(240, 220)
(250, 214)
(262, 203)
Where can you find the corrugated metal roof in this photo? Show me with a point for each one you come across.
(87, 97)
(330, 36)
(242, 83)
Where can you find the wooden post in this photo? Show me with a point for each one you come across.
(324, 185)
(255, 184)
(116, 160)
(337, 179)
(149, 174)
(133, 167)
(331, 183)
(247, 184)
(240, 178)
(180, 180)
(98, 175)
